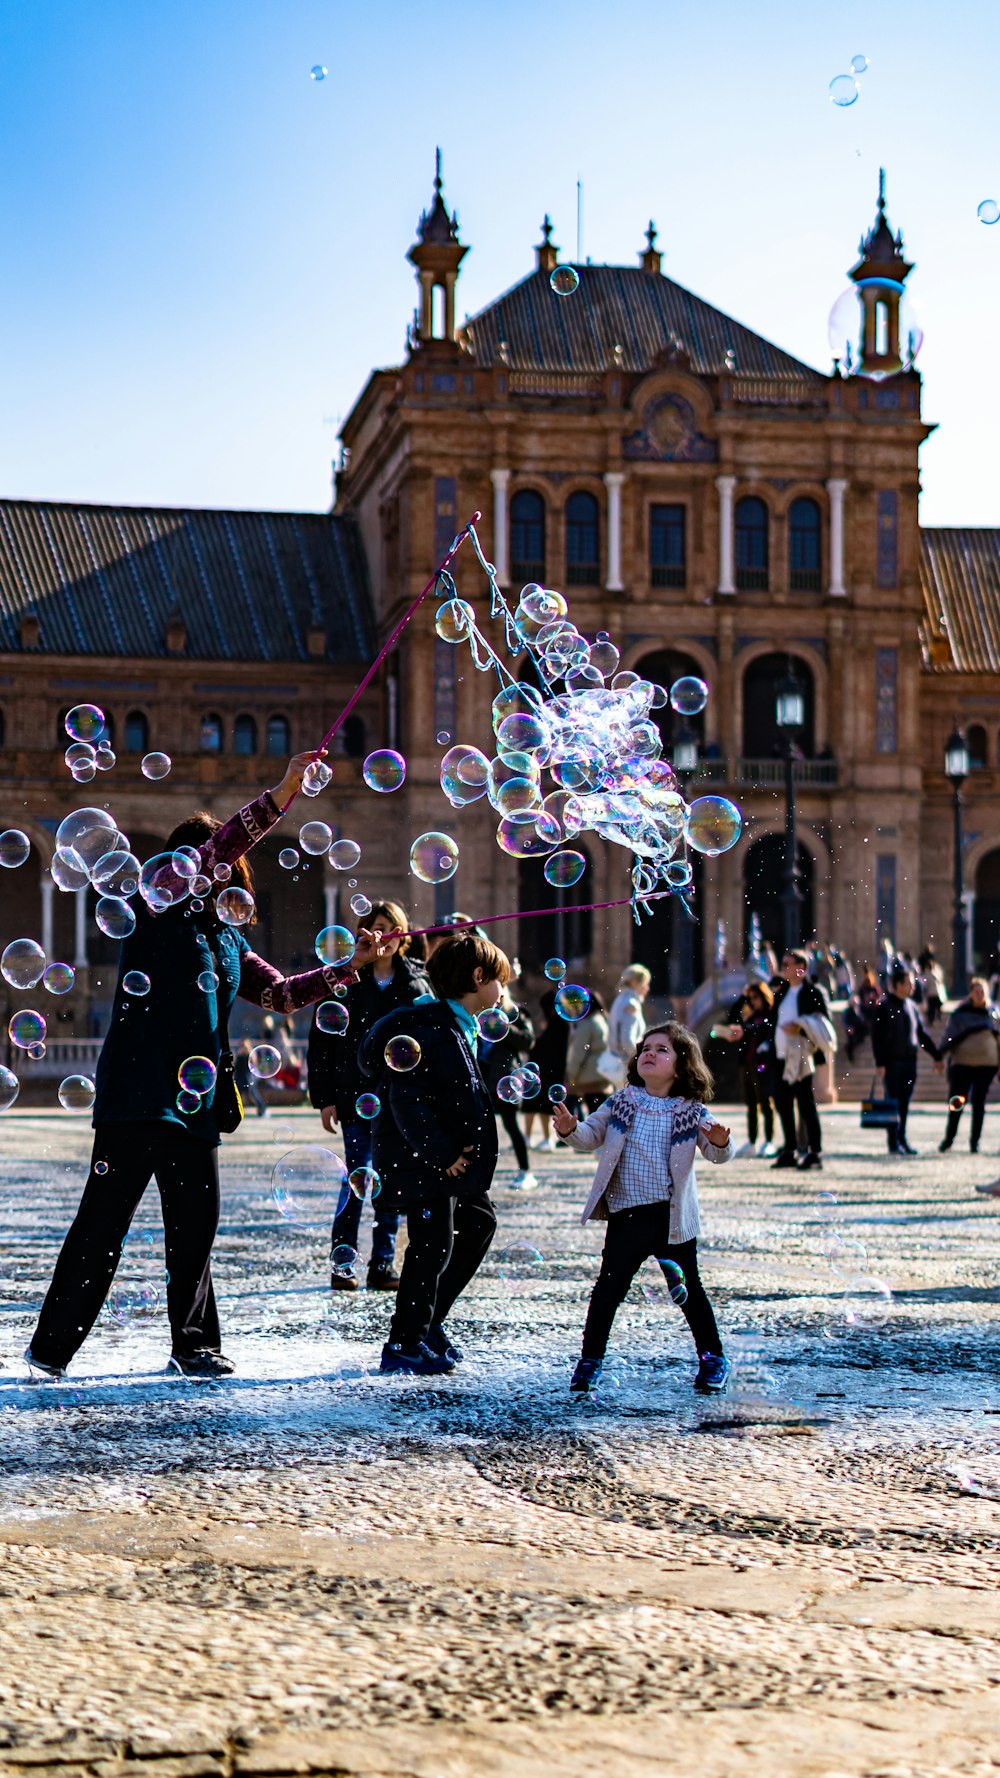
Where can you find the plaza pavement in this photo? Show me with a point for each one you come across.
(313, 1569)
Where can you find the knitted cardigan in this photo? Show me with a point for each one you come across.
(607, 1128)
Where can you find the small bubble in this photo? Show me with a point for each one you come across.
(564, 280)
(317, 72)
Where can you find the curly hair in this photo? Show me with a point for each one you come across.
(692, 1079)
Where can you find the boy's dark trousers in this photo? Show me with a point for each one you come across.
(792, 1095)
(634, 1236)
(900, 1080)
(187, 1174)
(449, 1238)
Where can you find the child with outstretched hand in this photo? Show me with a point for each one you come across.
(645, 1188)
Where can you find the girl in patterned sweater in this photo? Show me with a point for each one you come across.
(645, 1189)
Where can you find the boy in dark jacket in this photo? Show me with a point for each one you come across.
(898, 1034)
(435, 1146)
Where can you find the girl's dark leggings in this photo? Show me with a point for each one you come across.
(507, 1115)
(634, 1236)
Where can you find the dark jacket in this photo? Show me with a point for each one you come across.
(430, 1114)
(334, 1075)
(497, 1059)
(898, 1032)
(812, 1000)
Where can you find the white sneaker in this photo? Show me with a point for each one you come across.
(54, 1371)
(768, 1151)
(523, 1182)
(550, 1145)
(742, 1152)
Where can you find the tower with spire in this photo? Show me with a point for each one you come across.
(437, 254)
(880, 275)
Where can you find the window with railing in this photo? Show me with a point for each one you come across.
(975, 740)
(751, 544)
(527, 537)
(668, 545)
(136, 732)
(210, 733)
(278, 737)
(582, 540)
(805, 553)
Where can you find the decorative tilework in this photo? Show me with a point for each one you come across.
(886, 715)
(887, 518)
(885, 897)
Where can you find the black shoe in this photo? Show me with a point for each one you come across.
(586, 1376)
(787, 1158)
(973, 1148)
(203, 1363)
(55, 1371)
(944, 1146)
(713, 1373)
(440, 1341)
(905, 1148)
(382, 1278)
(414, 1361)
(808, 1162)
(343, 1280)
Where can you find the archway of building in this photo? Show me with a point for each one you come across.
(558, 931)
(986, 913)
(763, 881)
(665, 932)
(762, 738)
(664, 667)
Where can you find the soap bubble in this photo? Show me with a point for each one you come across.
(90, 834)
(36, 1051)
(288, 858)
(989, 211)
(343, 1260)
(675, 1281)
(156, 765)
(114, 916)
(208, 981)
(454, 620)
(316, 777)
(859, 64)
(26, 1028)
(85, 771)
(235, 907)
(22, 963)
(563, 280)
(135, 982)
(434, 857)
(10, 1086)
(688, 695)
(344, 854)
(306, 1182)
(77, 1093)
(201, 885)
(159, 884)
(264, 1061)
(84, 723)
(845, 328)
(493, 1024)
(106, 757)
(572, 1002)
(564, 869)
(332, 1018)
(131, 1300)
(15, 848)
(442, 737)
(510, 1090)
(384, 770)
(188, 1103)
(117, 873)
(957, 1102)
(678, 873)
(186, 862)
(604, 656)
(335, 944)
(196, 1074)
(364, 1179)
(714, 825)
(555, 969)
(360, 905)
(523, 732)
(368, 1105)
(529, 1081)
(317, 72)
(222, 873)
(402, 1053)
(520, 1264)
(81, 753)
(557, 1094)
(843, 89)
(315, 838)
(59, 978)
(67, 871)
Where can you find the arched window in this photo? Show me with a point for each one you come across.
(805, 547)
(108, 731)
(527, 537)
(62, 738)
(244, 735)
(975, 740)
(582, 541)
(354, 737)
(667, 546)
(136, 732)
(751, 543)
(210, 733)
(665, 667)
(762, 737)
(279, 739)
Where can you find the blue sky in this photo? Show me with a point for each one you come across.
(204, 249)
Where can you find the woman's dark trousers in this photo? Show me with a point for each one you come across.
(798, 1095)
(757, 1099)
(634, 1236)
(507, 1115)
(972, 1084)
(187, 1175)
(448, 1241)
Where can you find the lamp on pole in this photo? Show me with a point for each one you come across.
(790, 715)
(956, 770)
(684, 758)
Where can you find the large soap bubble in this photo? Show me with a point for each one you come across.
(22, 963)
(402, 1053)
(335, 944)
(563, 869)
(196, 1074)
(714, 824)
(306, 1182)
(384, 770)
(234, 906)
(114, 916)
(572, 1002)
(84, 723)
(344, 854)
(10, 1086)
(332, 1018)
(434, 857)
(688, 695)
(156, 766)
(454, 620)
(897, 330)
(90, 834)
(59, 978)
(15, 848)
(77, 1093)
(315, 838)
(26, 1029)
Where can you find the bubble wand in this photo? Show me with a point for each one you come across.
(580, 907)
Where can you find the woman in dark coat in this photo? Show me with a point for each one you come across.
(336, 1083)
(143, 1127)
(549, 1053)
(496, 1061)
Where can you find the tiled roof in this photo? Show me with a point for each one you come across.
(247, 585)
(641, 312)
(960, 577)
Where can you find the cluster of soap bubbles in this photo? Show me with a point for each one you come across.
(577, 750)
(843, 88)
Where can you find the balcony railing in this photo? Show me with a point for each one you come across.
(817, 772)
(664, 574)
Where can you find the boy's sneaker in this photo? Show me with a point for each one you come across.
(203, 1364)
(379, 1278)
(768, 1151)
(586, 1375)
(55, 1371)
(744, 1149)
(440, 1341)
(414, 1361)
(524, 1181)
(713, 1373)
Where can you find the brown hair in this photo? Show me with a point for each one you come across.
(796, 955)
(452, 965)
(692, 1079)
(397, 917)
(194, 832)
(763, 990)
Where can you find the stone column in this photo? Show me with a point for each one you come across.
(330, 900)
(80, 930)
(48, 941)
(726, 484)
(501, 530)
(836, 487)
(613, 480)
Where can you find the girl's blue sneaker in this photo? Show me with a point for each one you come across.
(586, 1374)
(713, 1373)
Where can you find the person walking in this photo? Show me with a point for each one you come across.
(860, 1011)
(802, 1027)
(753, 1031)
(627, 1021)
(497, 1060)
(588, 1041)
(336, 1086)
(972, 1046)
(898, 1035)
(144, 1126)
(935, 991)
(548, 1052)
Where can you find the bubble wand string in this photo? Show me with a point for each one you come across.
(390, 643)
(580, 907)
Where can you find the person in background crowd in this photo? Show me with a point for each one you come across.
(548, 1052)
(753, 1030)
(898, 1035)
(860, 1011)
(496, 1061)
(972, 1045)
(627, 1021)
(844, 975)
(935, 991)
(248, 1084)
(588, 1040)
(336, 1082)
(887, 962)
(281, 1033)
(802, 1027)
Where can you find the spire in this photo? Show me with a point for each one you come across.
(437, 254)
(880, 273)
(546, 253)
(881, 252)
(436, 227)
(651, 260)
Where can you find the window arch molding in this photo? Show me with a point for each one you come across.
(753, 525)
(528, 522)
(800, 654)
(582, 537)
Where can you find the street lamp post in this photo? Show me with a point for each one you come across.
(956, 770)
(790, 714)
(685, 763)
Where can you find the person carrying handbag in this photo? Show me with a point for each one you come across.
(898, 1035)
